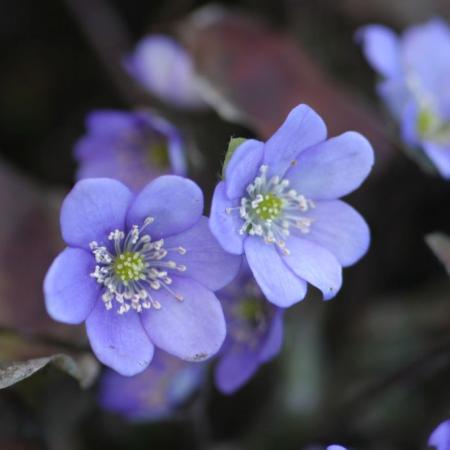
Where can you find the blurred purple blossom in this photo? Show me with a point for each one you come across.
(329, 447)
(163, 67)
(440, 438)
(278, 206)
(254, 332)
(415, 69)
(133, 147)
(155, 393)
(140, 269)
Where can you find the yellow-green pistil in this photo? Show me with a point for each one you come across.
(252, 317)
(270, 207)
(129, 266)
(250, 309)
(431, 127)
(427, 122)
(158, 154)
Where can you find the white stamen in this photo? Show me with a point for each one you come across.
(132, 267)
(272, 209)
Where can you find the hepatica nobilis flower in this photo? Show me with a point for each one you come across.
(278, 204)
(163, 67)
(254, 332)
(133, 147)
(140, 269)
(415, 69)
(329, 447)
(440, 438)
(155, 393)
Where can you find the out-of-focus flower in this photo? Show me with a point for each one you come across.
(415, 69)
(140, 269)
(163, 67)
(155, 393)
(254, 332)
(329, 447)
(133, 147)
(440, 438)
(278, 205)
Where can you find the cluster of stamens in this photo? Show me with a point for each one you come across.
(132, 268)
(250, 321)
(270, 209)
(249, 314)
(431, 127)
(430, 124)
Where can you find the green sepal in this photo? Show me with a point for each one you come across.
(232, 147)
(439, 244)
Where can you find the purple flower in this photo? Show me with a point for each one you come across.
(415, 69)
(166, 70)
(329, 447)
(254, 336)
(440, 438)
(133, 147)
(140, 269)
(153, 394)
(278, 205)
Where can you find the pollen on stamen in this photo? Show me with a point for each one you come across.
(156, 304)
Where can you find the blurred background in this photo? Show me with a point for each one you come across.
(370, 369)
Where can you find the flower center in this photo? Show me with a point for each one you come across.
(250, 319)
(250, 309)
(426, 121)
(271, 208)
(133, 268)
(129, 266)
(430, 126)
(158, 154)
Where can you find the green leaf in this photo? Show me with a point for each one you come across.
(439, 243)
(84, 368)
(232, 147)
